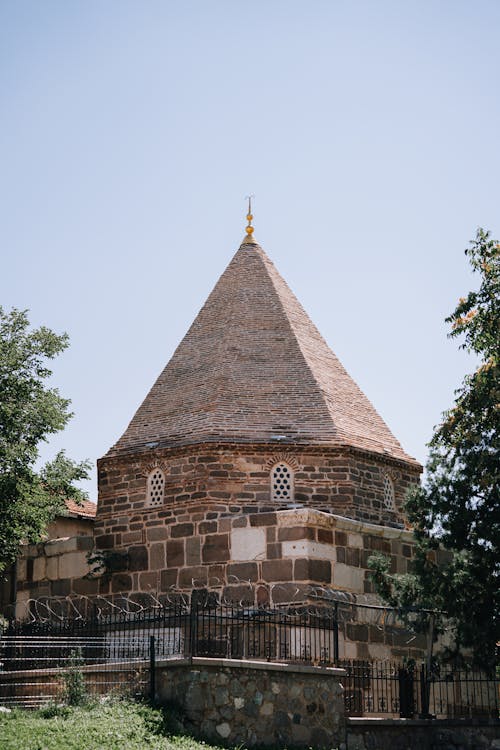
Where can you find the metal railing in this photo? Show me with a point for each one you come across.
(307, 635)
(37, 670)
(397, 690)
(118, 649)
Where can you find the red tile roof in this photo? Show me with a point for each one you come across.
(87, 509)
(254, 368)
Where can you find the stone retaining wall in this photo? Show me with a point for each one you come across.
(256, 703)
(421, 734)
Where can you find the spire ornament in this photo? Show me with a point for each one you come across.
(249, 228)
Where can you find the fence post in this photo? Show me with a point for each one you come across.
(152, 669)
(425, 674)
(336, 634)
(425, 690)
(193, 626)
(406, 697)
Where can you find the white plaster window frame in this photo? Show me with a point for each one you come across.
(274, 479)
(389, 493)
(155, 494)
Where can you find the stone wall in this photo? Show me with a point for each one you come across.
(266, 557)
(262, 558)
(233, 478)
(421, 734)
(56, 568)
(256, 703)
(64, 526)
(217, 527)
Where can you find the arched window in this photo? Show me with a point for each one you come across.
(156, 488)
(389, 493)
(281, 482)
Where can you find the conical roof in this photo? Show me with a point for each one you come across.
(254, 368)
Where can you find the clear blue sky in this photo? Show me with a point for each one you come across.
(130, 133)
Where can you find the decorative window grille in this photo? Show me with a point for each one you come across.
(281, 482)
(389, 493)
(156, 488)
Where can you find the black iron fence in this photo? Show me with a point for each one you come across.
(409, 691)
(308, 635)
(117, 652)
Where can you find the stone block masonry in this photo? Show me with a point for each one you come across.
(218, 527)
(256, 703)
(217, 514)
(236, 477)
(56, 568)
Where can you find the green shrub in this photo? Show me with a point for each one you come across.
(74, 690)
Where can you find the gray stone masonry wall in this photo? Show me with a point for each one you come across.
(401, 734)
(256, 703)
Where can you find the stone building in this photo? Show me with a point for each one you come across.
(255, 467)
(54, 567)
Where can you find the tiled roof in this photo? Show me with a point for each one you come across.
(87, 509)
(254, 368)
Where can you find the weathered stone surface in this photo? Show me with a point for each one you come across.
(175, 553)
(52, 569)
(348, 578)
(121, 582)
(216, 548)
(193, 577)
(242, 572)
(157, 533)
(138, 558)
(168, 579)
(223, 729)
(248, 544)
(73, 565)
(306, 548)
(182, 529)
(62, 587)
(193, 550)
(39, 569)
(318, 571)
(86, 586)
(157, 556)
(256, 706)
(61, 546)
(277, 570)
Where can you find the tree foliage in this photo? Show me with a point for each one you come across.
(455, 514)
(29, 413)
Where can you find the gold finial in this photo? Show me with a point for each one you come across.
(249, 227)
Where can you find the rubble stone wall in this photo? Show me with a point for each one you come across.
(256, 703)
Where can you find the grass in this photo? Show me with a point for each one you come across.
(115, 725)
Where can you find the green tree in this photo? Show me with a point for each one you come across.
(455, 514)
(29, 413)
